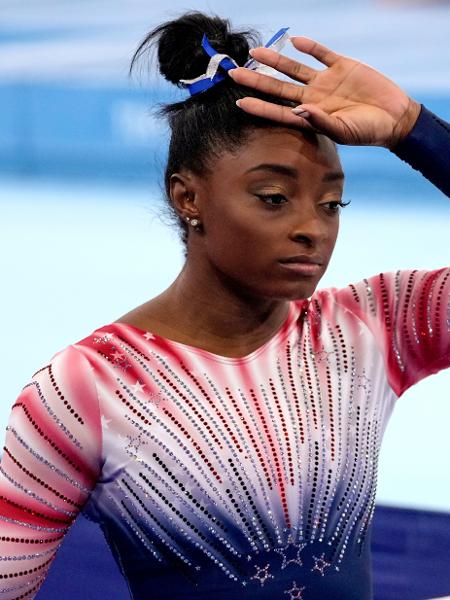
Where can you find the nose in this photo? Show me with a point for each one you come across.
(309, 227)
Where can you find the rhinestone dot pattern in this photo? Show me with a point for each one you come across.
(239, 475)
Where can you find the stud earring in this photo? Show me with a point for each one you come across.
(194, 222)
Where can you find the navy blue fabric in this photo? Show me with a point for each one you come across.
(410, 550)
(427, 149)
(352, 582)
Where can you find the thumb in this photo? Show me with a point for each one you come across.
(320, 120)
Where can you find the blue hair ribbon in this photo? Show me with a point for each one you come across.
(213, 75)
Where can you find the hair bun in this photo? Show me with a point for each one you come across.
(179, 42)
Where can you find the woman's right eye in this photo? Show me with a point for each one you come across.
(272, 199)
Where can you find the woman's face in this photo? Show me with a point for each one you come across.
(273, 199)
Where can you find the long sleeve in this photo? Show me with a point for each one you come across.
(427, 149)
(408, 312)
(50, 464)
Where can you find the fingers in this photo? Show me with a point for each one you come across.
(267, 85)
(273, 112)
(294, 69)
(314, 119)
(313, 48)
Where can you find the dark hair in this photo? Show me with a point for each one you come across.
(204, 125)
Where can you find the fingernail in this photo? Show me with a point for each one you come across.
(238, 102)
(301, 113)
(251, 52)
(230, 73)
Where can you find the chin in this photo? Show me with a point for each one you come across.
(302, 288)
(297, 292)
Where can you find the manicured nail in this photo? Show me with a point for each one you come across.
(300, 112)
(251, 52)
(230, 73)
(238, 102)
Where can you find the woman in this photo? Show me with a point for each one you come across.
(225, 434)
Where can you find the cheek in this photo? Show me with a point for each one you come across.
(238, 245)
(236, 241)
(333, 235)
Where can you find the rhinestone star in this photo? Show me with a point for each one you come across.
(322, 355)
(149, 336)
(295, 593)
(104, 339)
(155, 398)
(283, 552)
(134, 444)
(262, 574)
(320, 564)
(362, 381)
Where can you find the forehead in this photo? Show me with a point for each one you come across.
(304, 152)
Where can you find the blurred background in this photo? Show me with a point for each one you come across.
(83, 237)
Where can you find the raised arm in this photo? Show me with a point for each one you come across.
(351, 103)
(427, 149)
(50, 464)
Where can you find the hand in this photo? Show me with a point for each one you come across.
(348, 101)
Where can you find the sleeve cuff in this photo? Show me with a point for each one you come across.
(427, 149)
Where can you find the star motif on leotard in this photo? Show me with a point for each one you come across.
(293, 530)
(295, 593)
(134, 444)
(103, 339)
(262, 574)
(105, 422)
(362, 381)
(138, 387)
(120, 359)
(155, 398)
(149, 336)
(320, 564)
(362, 328)
(284, 551)
(322, 355)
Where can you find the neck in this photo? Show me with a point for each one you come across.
(206, 308)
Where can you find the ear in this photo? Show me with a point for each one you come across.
(183, 194)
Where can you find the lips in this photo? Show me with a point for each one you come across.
(303, 258)
(302, 265)
(307, 269)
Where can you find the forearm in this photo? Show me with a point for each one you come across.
(427, 149)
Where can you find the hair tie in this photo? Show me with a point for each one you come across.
(213, 76)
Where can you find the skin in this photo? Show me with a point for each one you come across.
(348, 101)
(232, 295)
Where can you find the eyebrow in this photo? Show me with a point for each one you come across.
(292, 171)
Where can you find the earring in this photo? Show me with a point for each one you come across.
(194, 222)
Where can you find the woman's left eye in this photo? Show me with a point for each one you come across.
(273, 199)
(335, 205)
